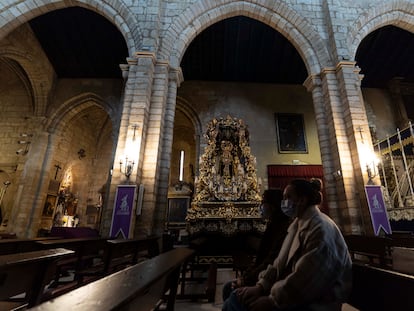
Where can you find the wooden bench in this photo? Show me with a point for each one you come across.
(27, 273)
(86, 251)
(119, 254)
(378, 289)
(139, 287)
(13, 246)
(403, 260)
(370, 249)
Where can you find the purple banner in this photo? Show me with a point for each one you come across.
(123, 208)
(377, 209)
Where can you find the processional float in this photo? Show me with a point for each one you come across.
(226, 197)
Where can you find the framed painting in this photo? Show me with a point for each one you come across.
(291, 136)
(177, 210)
(49, 207)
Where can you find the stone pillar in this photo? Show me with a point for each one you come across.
(334, 186)
(139, 75)
(175, 78)
(32, 187)
(156, 160)
(341, 118)
(359, 140)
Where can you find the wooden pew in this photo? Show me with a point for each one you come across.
(377, 289)
(119, 254)
(85, 252)
(139, 287)
(6, 235)
(12, 246)
(370, 249)
(27, 273)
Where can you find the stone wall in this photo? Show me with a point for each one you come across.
(326, 34)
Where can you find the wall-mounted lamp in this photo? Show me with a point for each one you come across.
(372, 170)
(25, 150)
(126, 167)
(337, 174)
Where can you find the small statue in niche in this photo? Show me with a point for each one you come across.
(226, 163)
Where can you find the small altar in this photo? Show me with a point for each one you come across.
(226, 198)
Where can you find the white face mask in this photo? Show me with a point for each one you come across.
(288, 208)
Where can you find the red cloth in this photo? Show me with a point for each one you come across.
(279, 177)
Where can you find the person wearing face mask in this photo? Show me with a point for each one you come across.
(270, 243)
(313, 271)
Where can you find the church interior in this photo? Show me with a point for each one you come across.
(106, 139)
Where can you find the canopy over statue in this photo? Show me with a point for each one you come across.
(226, 189)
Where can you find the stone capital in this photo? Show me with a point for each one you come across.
(176, 74)
(312, 81)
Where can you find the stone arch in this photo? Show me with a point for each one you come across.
(115, 11)
(66, 112)
(185, 107)
(303, 36)
(396, 13)
(38, 82)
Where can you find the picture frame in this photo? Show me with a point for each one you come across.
(177, 210)
(290, 131)
(49, 206)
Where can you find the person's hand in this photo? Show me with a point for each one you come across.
(263, 303)
(246, 295)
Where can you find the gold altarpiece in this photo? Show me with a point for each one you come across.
(226, 198)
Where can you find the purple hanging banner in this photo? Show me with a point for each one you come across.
(377, 209)
(123, 211)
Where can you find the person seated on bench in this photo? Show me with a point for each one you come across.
(313, 270)
(270, 243)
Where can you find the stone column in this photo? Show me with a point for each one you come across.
(359, 141)
(133, 128)
(32, 186)
(345, 141)
(327, 128)
(175, 78)
(156, 160)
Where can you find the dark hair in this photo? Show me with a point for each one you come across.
(310, 189)
(274, 198)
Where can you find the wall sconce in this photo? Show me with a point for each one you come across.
(81, 153)
(26, 135)
(25, 150)
(372, 170)
(126, 167)
(337, 174)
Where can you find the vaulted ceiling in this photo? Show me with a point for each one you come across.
(80, 43)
